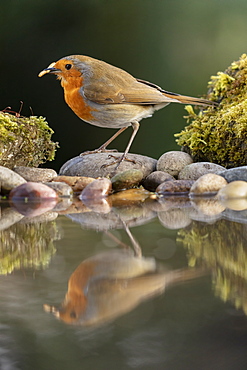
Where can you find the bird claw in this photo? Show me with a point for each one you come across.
(118, 161)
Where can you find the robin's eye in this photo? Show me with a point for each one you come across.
(68, 66)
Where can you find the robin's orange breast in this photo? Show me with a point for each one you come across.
(75, 100)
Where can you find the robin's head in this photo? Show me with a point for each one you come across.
(64, 69)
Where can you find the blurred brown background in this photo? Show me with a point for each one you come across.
(176, 44)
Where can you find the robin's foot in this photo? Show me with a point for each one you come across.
(118, 161)
(98, 151)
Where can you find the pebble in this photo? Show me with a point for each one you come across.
(126, 179)
(207, 184)
(129, 196)
(173, 162)
(195, 170)
(235, 174)
(97, 189)
(32, 191)
(235, 189)
(152, 181)
(35, 174)
(92, 165)
(177, 186)
(77, 183)
(9, 179)
(61, 188)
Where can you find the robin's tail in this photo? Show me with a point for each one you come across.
(188, 99)
(173, 97)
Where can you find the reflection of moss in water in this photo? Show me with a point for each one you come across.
(27, 245)
(220, 135)
(221, 247)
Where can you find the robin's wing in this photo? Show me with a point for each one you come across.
(125, 89)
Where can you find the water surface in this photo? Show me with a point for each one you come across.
(187, 310)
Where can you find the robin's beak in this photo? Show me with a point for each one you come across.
(49, 69)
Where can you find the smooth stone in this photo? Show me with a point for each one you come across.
(61, 188)
(177, 186)
(207, 184)
(97, 189)
(126, 179)
(32, 191)
(35, 174)
(173, 162)
(235, 174)
(152, 181)
(91, 165)
(77, 183)
(10, 179)
(129, 197)
(195, 170)
(235, 189)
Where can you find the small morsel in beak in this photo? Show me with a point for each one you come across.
(49, 69)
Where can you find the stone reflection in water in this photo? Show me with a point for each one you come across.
(24, 242)
(110, 284)
(221, 247)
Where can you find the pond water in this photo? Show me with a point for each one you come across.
(160, 285)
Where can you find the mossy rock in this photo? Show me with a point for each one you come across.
(25, 141)
(219, 135)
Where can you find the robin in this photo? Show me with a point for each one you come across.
(107, 96)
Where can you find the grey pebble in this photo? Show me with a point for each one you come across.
(195, 170)
(207, 184)
(234, 174)
(126, 179)
(61, 188)
(177, 186)
(35, 174)
(91, 165)
(9, 179)
(156, 178)
(173, 162)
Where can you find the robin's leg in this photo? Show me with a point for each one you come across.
(119, 160)
(102, 148)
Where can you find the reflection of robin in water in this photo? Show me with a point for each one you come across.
(112, 283)
(106, 96)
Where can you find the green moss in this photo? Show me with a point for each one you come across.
(221, 248)
(219, 134)
(25, 141)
